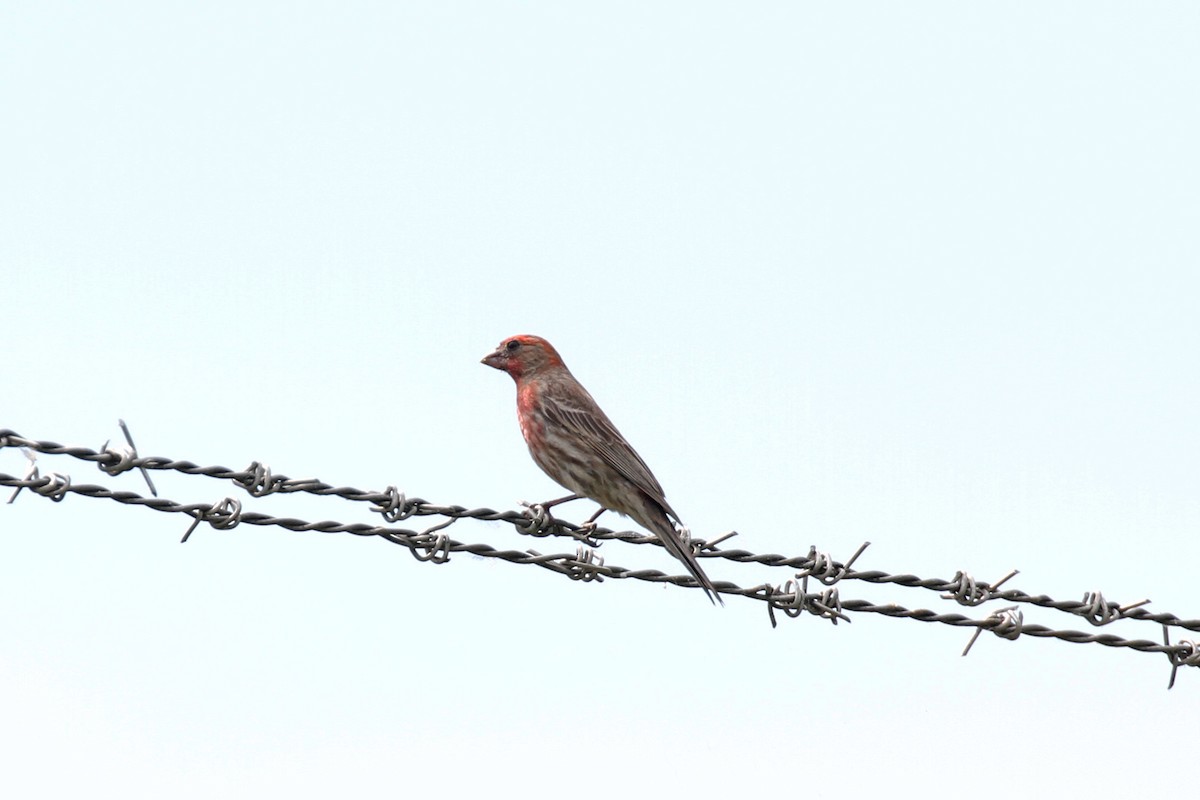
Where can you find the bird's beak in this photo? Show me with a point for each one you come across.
(495, 360)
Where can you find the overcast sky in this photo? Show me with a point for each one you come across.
(923, 274)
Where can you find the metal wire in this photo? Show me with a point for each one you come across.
(432, 544)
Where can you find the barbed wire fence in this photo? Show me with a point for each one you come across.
(432, 544)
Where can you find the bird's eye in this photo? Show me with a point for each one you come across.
(512, 345)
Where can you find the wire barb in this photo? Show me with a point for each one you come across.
(395, 506)
(1005, 623)
(258, 481)
(1098, 611)
(586, 564)
(124, 458)
(1184, 653)
(825, 569)
(432, 547)
(31, 472)
(222, 515)
(538, 519)
(967, 592)
(793, 599)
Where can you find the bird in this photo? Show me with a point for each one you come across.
(575, 443)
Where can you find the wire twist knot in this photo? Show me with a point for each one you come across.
(1099, 611)
(431, 547)
(115, 460)
(965, 591)
(793, 599)
(222, 515)
(1184, 653)
(396, 505)
(585, 566)
(1005, 623)
(538, 517)
(258, 480)
(55, 486)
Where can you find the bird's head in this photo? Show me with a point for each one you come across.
(523, 356)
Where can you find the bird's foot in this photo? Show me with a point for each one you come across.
(584, 532)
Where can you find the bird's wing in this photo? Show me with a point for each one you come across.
(595, 429)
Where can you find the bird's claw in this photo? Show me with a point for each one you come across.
(584, 533)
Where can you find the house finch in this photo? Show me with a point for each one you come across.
(574, 443)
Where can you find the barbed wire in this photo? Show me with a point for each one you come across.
(432, 544)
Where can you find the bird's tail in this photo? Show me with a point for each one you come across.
(656, 520)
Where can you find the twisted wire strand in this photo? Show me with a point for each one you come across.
(259, 481)
(432, 544)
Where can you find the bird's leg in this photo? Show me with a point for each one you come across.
(585, 530)
(539, 513)
(549, 504)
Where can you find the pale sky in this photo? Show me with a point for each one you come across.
(923, 274)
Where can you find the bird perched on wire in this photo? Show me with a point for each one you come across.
(574, 443)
